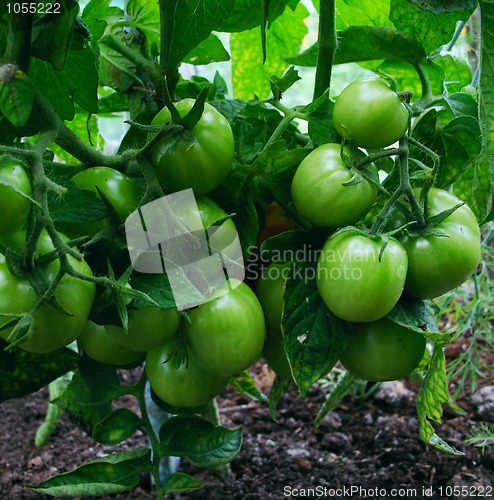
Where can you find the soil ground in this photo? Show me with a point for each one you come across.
(372, 445)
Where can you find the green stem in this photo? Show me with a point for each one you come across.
(457, 34)
(327, 47)
(427, 94)
(18, 50)
(153, 438)
(290, 115)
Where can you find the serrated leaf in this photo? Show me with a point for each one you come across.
(178, 482)
(98, 13)
(277, 162)
(432, 29)
(243, 383)
(367, 43)
(113, 474)
(483, 184)
(209, 50)
(16, 97)
(117, 427)
(76, 206)
(284, 37)
(199, 441)
(145, 17)
(280, 85)
(362, 13)
(78, 81)
(314, 338)
(88, 398)
(23, 372)
(51, 35)
(188, 24)
(247, 14)
(433, 392)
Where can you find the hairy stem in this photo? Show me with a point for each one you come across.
(327, 47)
(18, 50)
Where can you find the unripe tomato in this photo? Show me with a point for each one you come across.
(437, 264)
(14, 208)
(148, 328)
(355, 282)
(371, 112)
(226, 335)
(123, 193)
(181, 385)
(98, 345)
(52, 328)
(201, 159)
(319, 194)
(383, 350)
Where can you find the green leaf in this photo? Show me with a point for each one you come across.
(117, 427)
(243, 383)
(362, 13)
(88, 398)
(314, 338)
(367, 43)
(51, 34)
(285, 36)
(23, 372)
(442, 6)
(433, 392)
(457, 69)
(247, 14)
(103, 476)
(432, 29)
(98, 13)
(178, 482)
(321, 126)
(145, 16)
(115, 70)
(76, 206)
(113, 103)
(156, 286)
(277, 162)
(16, 97)
(78, 81)
(280, 85)
(199, 441)
(209, 50)
(483, 185)
(190, 24)
(278, 389)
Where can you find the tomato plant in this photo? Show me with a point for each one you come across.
(359, 278)
(122, 192)
(445, 257)
(201, 159)
(148, 328)
(370, 112)
(320, 191)
(96, 342)
(51, 328)
(383, 350)
(106, 112)
(13, 206)
(226, 335)
(181, 384)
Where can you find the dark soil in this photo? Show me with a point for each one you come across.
(368, 444)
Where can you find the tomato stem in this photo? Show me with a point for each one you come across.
(327, 47)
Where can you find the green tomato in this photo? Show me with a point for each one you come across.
(98, 345)
(148, 328)
(274, 355)
(355, 281)
(319, 194)
(270, 291)
(227, 334)
(437, 264)
(383, 350)
(123, 193)
(52, 328)
(371, 112)
(181, 385)
(201, 159)
(13, 206)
